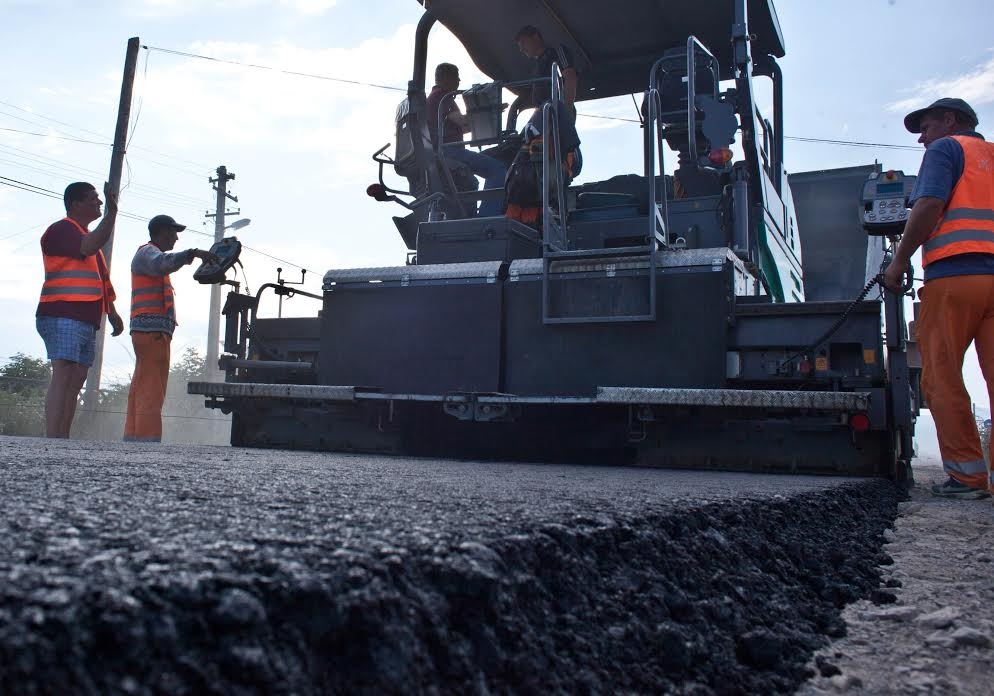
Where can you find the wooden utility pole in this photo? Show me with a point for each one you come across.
(116, 167)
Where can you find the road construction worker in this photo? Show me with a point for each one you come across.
(454, 125)
(153, 320)
(74, 298)
(952, 221)
(532, 45)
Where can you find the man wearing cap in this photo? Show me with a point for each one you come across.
(952, 221)
(153, 320)
(74, 298)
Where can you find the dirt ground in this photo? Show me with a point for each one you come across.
(930, 629)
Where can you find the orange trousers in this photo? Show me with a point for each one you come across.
(148, 387)
(955, 312)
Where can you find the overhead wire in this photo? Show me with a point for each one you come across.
(56, 137)
(203, 168)
(295, 73)
(34, 189)
(48, 193)
(24, 231)
(272, 69)
(52, 167)
(31, 188)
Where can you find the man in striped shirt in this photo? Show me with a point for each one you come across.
(153, 320)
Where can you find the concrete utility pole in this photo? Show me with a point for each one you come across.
(114, 179)
(220, 185)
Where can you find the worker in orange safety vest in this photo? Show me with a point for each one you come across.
(75, 296)
(952, 221)
(153, 320)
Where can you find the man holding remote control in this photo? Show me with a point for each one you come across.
(153, 320)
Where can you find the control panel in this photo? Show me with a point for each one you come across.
(885, 202)
(227, 252)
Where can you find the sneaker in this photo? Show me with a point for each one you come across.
(952, 488)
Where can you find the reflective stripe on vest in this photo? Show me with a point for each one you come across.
(967, 226)
(74, 279)
(151, 295)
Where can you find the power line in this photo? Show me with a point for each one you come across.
(847, 143)
(57, 137)
(102, 135)
(254, 251)
(609, 118)
(272, 69)
(146, 193)
(24, 231)
(53, 120)
(141, 102)
(31, 188)
(13, 183)
(852, 143)
(53, 168)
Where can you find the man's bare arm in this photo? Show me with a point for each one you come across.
(459, 119)
(95, 240)
(925, 215)
(569, 86)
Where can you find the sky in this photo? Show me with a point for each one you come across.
(300, 147)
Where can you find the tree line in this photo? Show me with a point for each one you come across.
(24, 381)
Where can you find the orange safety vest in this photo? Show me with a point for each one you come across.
(967, 224)
(151, 294)
(77, 280)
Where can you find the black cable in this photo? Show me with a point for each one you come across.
(30, 188)
(100, 135)
(835, 327)
(270, 68)
(851, 143)
(57, 137)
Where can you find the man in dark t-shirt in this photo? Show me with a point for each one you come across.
(531, 43)
(74, 298)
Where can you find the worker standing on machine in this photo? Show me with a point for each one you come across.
(153, 320)
(952, 220)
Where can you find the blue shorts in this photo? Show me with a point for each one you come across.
(68, 339)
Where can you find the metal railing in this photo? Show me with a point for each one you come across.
(550, 125)
(693, 45)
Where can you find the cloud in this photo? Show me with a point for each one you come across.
(160, 9)
(309, 7)
(976, 87)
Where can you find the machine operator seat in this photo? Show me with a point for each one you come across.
(435, 172)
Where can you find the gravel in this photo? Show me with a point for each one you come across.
(942, 579)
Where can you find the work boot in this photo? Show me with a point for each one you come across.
(951, 488)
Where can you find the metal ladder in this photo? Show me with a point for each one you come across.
(555, 247)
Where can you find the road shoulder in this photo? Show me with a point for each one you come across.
(930, 628)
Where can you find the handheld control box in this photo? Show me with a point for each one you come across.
(884, 209)
(227, 252)
(483, 109)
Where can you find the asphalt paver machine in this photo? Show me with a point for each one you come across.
(723, 315)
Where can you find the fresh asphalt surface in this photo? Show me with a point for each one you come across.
(175, 569)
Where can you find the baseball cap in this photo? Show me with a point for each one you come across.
(165, 221)
(913, 121)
